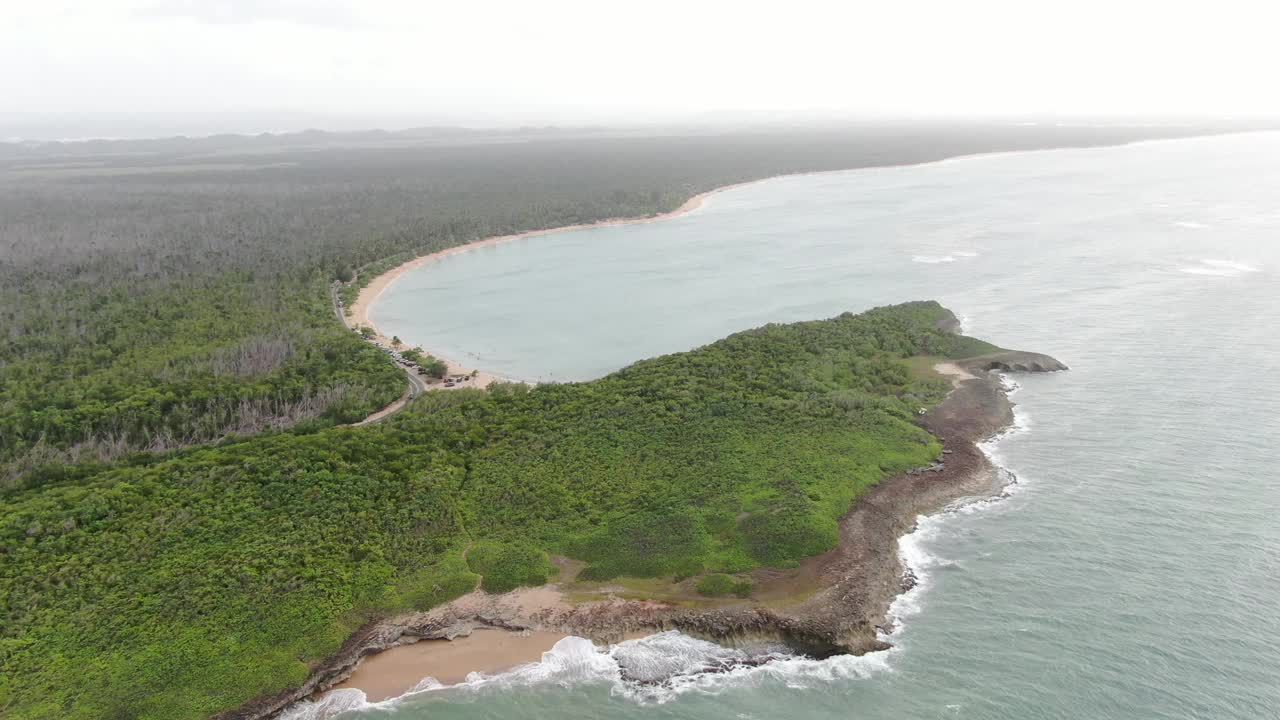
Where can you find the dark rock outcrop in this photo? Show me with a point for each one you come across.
(368, 640)
(948, 322)
(1012, 361)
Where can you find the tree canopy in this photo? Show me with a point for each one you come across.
(178, 586)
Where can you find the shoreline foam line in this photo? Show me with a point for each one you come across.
(650, 670)
(916, 560)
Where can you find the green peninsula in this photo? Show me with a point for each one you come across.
(184, 585)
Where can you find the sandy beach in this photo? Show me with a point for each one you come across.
(358, 314)
(394, 672)
(360, 309)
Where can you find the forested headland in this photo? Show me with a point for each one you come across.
(178, 586)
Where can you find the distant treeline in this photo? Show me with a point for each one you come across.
(158, 294)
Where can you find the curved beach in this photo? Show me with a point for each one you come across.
(369, 294)
(360, 310)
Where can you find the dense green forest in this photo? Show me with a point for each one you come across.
(177, 586)
(160, 294)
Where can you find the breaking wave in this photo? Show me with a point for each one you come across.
(913, 548)
(332, 703)
(650, 670)
(1220, 268)
(949, 257)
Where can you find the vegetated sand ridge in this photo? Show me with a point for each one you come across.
(853, 584)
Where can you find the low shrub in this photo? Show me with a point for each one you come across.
(719, 585)
(507, 566)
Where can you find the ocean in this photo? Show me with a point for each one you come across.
(1132, 568)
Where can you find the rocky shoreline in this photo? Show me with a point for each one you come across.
(859, 578)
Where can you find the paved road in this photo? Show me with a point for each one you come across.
(417, 385)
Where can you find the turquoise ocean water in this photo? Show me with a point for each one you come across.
(1133, 570)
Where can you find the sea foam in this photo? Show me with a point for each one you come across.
(914, 547)
(1220, 268)
(663, 666)
(650, 670)
(331, 704)
(948, 258)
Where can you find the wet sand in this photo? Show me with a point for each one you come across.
(395, 671)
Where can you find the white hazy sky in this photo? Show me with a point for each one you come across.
(406, 62)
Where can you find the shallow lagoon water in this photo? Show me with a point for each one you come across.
(1134, 571)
